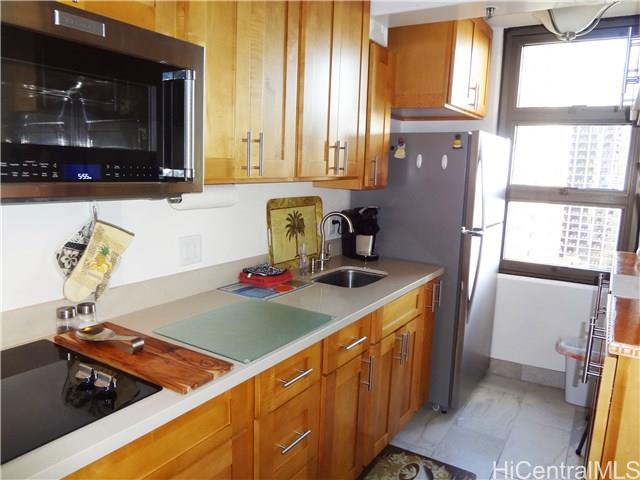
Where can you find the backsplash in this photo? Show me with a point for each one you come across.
(32, 233)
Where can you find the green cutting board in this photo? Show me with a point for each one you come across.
(245, 331)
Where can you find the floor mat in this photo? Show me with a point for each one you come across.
(395, 463)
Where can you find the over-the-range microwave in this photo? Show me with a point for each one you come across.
(94, 108)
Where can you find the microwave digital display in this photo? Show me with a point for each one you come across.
(86, 172)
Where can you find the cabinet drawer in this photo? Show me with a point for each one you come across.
(395, 314)
(346, 344)
(210, 422)
(287, 438)
(287, 379)
(207, 460)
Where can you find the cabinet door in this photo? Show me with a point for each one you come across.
(378, 118)
(480, 65)
(374, 421)
(424, 345)
(347, 45)
(313, 97)
(401, 408)
(341, 391)
(471, 56)
(287, 439)
(251, 90)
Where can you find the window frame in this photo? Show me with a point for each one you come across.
(510, 116)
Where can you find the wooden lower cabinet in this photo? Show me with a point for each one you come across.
(401, 408)
(287, 439)
(375, 406)
(341, 398)
(615, 433)
(199, 444)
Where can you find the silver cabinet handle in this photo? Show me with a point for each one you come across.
(369, 382)
(346, 157)
(407, 347)
(300, 376)
(261, 154)
(354, 344)
(434, 296)
(374, 178)
(336, 156)
(439, 293)
(248, 141)
(400, 338)
(475, 87)
(301, 436)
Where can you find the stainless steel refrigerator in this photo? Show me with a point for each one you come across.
(449, 211)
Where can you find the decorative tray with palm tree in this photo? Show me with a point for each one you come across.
(292, 225)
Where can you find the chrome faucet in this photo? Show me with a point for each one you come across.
(324, 254)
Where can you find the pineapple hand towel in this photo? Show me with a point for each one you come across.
(94, 269)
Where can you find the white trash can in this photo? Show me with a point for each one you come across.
(574, 349)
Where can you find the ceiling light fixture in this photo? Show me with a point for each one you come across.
(570, 23)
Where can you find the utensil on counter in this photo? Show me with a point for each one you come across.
(99, 333)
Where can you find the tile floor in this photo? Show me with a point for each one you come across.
(505, 420)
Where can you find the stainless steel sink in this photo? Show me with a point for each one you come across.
(349, 277)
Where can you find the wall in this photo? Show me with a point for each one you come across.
(31, 234)
(530, 316)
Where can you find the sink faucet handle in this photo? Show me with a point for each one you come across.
(313, 262)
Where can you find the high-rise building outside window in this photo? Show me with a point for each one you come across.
(574, 164)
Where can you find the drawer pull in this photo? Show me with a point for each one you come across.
(287, 448)
(369, 382)
(300, 376)
(354, 344)
(400, 338)
(407, 347)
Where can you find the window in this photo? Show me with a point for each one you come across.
(574, 157)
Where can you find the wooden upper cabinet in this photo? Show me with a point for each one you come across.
(378, 118)
(251, 80)
(333, 38)
(469, 76)
(441, 70)
(377, 122)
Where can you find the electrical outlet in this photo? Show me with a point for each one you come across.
(190, 249)
(333, 228)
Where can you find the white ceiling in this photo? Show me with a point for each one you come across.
(509, 13)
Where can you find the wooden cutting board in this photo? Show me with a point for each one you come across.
(171, 366)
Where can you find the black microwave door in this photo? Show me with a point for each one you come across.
(72, 112)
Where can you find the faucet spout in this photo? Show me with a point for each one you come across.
(324, 254)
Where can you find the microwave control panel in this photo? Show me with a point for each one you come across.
(33, 171)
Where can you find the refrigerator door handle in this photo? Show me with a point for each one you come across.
(474, 232)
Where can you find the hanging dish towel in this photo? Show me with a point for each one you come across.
(93, 270)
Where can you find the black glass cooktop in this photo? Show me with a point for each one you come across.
(47, 391)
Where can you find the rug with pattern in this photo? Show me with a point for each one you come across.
(394, 463)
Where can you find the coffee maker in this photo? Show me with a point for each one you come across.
(360, 244)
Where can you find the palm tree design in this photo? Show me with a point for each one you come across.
(295, 227)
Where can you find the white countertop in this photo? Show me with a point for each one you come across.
(77, 449)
